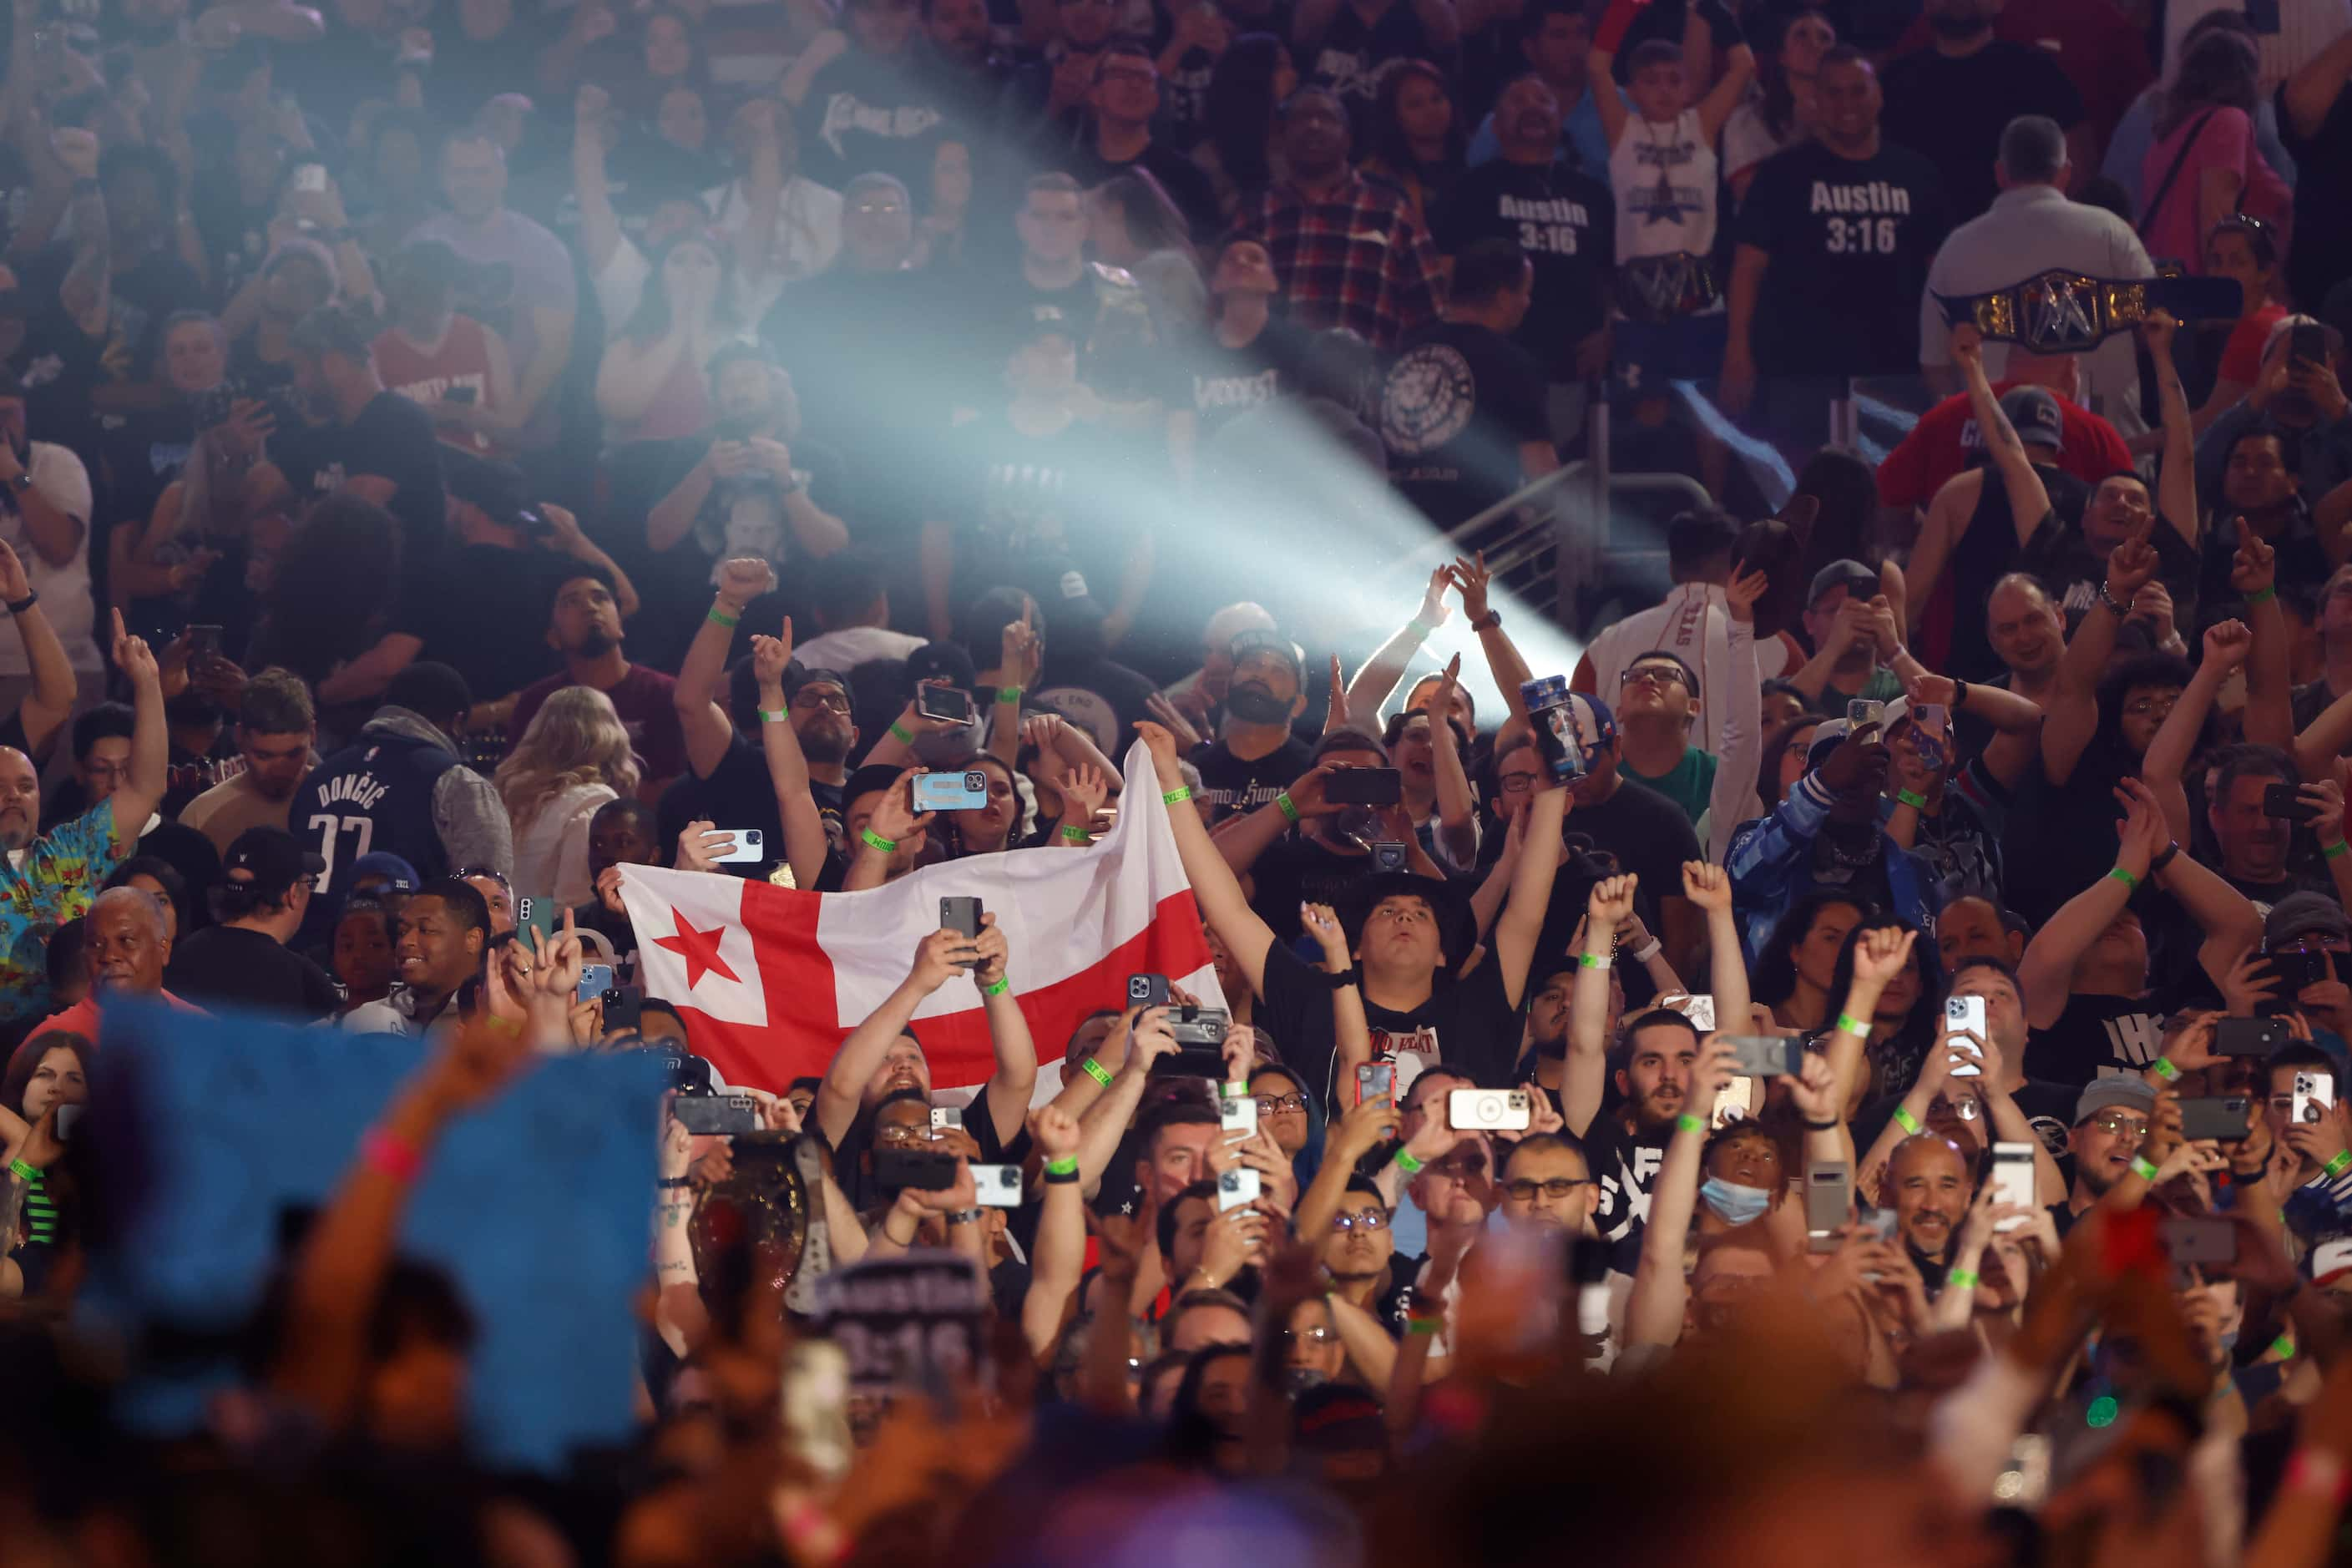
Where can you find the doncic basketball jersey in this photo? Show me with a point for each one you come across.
(376, 794)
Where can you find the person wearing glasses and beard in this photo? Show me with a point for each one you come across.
(584, 625)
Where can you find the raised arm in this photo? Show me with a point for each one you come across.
(805, 843)
(1457, 809)
(1600, 68)
(1653, 1310)
(1351, 1030)
(51, 701)
(150, 742)
(2029, 498)
(702, 674)
(2072, 714)
(1521, 923)
(2227, 646)
(1219, 894)
(1708, 888)
(1057, 1257)
(1584, 1075)
(938, 958)
(2269, 716)
(1102, 1126)
(1376, 680)
(1948, 518)
(2046, 973)
(1733, 799)
(1014, 1080)
(1505, 663)
(1878, 958)
(1740, 69)
(2176, 474)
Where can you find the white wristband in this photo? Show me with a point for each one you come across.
(1643, 954)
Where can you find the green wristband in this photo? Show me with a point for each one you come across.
(1076, 835)
(2284, 1346)
(2166, 1071)
(1906, 1120)
(1689, 1123)
(1422, 1325)
(1002, 983)
(1067, 1165)
(1961, 1278)
(775, 716)
(1408, 1165)
(901, 733)
(1096, 1071)
(30, 1173)
(2338, 1166)
(873, 840)
(1282, 802)
(1912, 798)
(2144, 1168)
(1009, 694)
(1849, 1024)
(2337, 850)
(1176, 796)
(1591, 961)
(2262, 595)
(2125, 877)
(718, 619)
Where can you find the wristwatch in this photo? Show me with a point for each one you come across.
(1487, 622)
(20, 482)
(963, 1216)
(2120, 610)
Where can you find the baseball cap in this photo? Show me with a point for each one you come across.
(2305, 914)
(797, 675)
(1596, 726)
(2331, 1259)
(399, 873)
(1062, 593)
(498, 489)
(2132, 1093)
(1849, 574)
(1247, 643)
(2035, 411)
(270, 860)
(1826, 736)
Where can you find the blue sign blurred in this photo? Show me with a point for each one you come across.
(537, 1207)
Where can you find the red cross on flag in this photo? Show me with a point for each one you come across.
(770, 979)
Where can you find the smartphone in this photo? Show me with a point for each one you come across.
(748, 845)
(204, 644)
(1147, 991)
(717, 1115)
(1879, 1223)
(998, 1186)
(2203, 1239)
(596, 979)
(1387, 856)
(1731, 1101)
(2250, 1037)
(1965, 1013)
(1699, 1010)
(1931, 726)
(625, 1008)
(310, 177)
(2296, 968)
(1236, 1187)
(816, 1429)
(537, 913)
(961, 916)
(925, 1170)
(2217, 1118)
(1829, 1201)
(1364, 786)
(2307, 342)
(1374, 1080)
(1766, 1056)
(64, 1125)
(936, 702)
(2285, 800)
(1490, 1109)
(947, 1116)
(1238, 1115)
(2012, 1179)
(966, 791)
(1865, 719)
(2314, 1094)
(1191, 1061)
(2024, 1482)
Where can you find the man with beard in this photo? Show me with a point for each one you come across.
(1951, 100)
(1927, 1180)
(622, 833)
(584, 625)
(49, 881)
(1199, 698)
(275, 727)
(2111, 1119)
(1255, 753)
(1657, 1055)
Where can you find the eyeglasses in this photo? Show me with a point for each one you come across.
(1517, 783)
(1274, 1104)
(1317, 1335)
(808, 701)
(1525, 1189)
(1462, 1170)
(1370, 1219)
(2116, 1124)
(2149, 708)
(1654, 674)
(489, 874)
(878, 206)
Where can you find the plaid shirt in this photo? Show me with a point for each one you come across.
(1355, 259)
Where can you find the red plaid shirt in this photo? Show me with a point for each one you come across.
(1355, 259)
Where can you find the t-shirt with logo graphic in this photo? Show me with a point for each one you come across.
(1353, 50)
(2096, 1037)
(1663, 179)
(1567, 223)
(1227, 382)
(1457, 405)
(1297, 869)
(1466, 1024)
(1102, 696)
(1626, 1164)
(1015, 499)
(864, 113)
(1850, 241)
(391, 439)
(1231, 784)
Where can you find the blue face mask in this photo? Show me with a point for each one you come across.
(1733, 1203)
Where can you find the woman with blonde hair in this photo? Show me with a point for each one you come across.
(574, 757)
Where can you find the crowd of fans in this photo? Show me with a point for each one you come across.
(1855, 1063)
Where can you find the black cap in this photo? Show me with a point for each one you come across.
(498, 489)
(1250, 642)
(797, 675)
(270, 860)
(686, 1073)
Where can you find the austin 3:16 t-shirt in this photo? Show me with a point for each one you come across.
(1850, 241)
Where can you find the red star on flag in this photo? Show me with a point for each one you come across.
(698, 948)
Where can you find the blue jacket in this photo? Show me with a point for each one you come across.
(1771, 864)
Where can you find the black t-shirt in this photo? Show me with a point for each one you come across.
(2074, 571)
(1953, 111)
(1180, 177)
(1297, 869)
(1230, 784)
(223, 966)
(1626, 1165)
(1227, 382)
(1986, 550)
(1455, 408)
(1017, 499)
(737, 795)
(864, 112)
(393, 440)
(2300, 558)
(2321, 253)
(1565, 221)
(2096, 1037)
(1850, 241)
(1466, 1024)
(1649, 835)
(1101, 696)
(482, 611)
(1352, 51)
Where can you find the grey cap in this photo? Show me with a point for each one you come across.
(1852, 575)
(2305, 914)
(2133, 1093)
(2035, 414)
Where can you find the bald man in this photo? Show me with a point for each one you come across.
(49, 880)
(129, 946)
(1927, 1180)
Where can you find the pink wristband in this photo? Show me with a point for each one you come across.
(394, 1157)
(2317, 1471)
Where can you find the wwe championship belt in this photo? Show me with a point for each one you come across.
(2060, 311)
(1657, 288)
